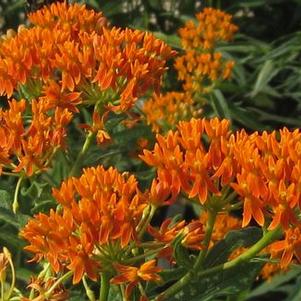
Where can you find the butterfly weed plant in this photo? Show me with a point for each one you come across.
(89, 178)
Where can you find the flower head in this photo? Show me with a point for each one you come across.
(213, 25)
(100, 208)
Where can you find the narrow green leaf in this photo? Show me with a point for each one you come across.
(220, 104)
(246, 118)
(7, 216)
(295, 292)
(266, 73)
(278, 281)
(10, 240)
(5, 199)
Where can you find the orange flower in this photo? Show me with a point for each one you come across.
(263, 171)
(148, 271)
(98, 127)
(54, 97)
(193, 235)
(286, 200)
(167, 231)
(160, 194)
(288, 248)
(168, 156)
(253, 207)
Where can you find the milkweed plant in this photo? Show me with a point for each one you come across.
(86, 200)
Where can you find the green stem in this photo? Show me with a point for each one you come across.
(58, 282)
(105, 287)
(209, 230)
(89, 292)
(142, 256)
(15, 202)
(266, 239)
(146, 220)
(76, 166)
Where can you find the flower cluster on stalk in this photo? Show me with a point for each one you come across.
(204, 159)
(201, 65)
(99, 225)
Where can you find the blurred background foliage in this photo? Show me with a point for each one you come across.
(264, 93)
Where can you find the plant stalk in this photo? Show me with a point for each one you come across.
(105, 287)
(266, 239)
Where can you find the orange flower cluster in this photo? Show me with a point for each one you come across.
(163, 112)
(213, 26)
(201, 62)
(73, 18)
(194, 68)
(203, 157)
(263, 170)
(73, 46)
(183, 161)
(99, 216)
(33, 142)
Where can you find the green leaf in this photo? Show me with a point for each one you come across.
(24, 274)
(10, 240)
(295, 292)
(278, 281)
(181, 254)
(228, 282)
(5, 199)
(245, 118)
(112, 8)
(78, 296)
(220, 104)
(267, 72)
(221, 284)
(34, 190)
(16, 220)
(7, 216)
(220, 252)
